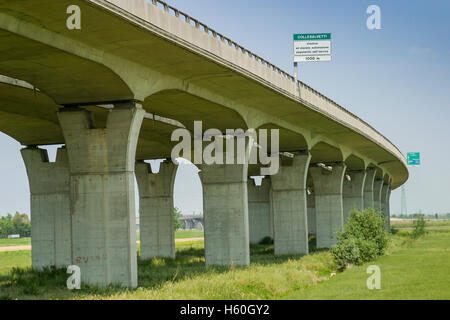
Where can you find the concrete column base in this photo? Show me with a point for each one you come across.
(102, 193)
(225, 210)
(50, 208)
(156, 211)
(329, 206)
(289, 207)
(259, 212)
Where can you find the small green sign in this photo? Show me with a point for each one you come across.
(312, 36)
(413, 158)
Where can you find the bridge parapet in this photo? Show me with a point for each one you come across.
(217, 46)
(199, 25)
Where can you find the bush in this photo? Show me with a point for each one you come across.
(266, 241)
(177, 215)
(363, 239)
(419, 227)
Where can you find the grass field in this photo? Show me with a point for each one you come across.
(407, 225)
(14, 242)
(186, 234)
(411, 269)
(418, 271)
(179, 234)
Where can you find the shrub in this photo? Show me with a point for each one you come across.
(363, 239)
(419, 227)
(266, 241)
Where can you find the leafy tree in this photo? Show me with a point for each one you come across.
(363, 239)
(177, 215)
(419, 227)
(17, 224)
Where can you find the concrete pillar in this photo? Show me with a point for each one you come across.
(260, 219)
(289, 207)
(311, 210)
(353, 192)
(329, 206)
(377, 186)
(388, 208)
(102, 164)
(368, 188)
(50, 208)
(385, 197)
(156, 210)
(225, 207)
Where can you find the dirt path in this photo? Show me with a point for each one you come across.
(15, 248)
(189, 239)
(28, 246)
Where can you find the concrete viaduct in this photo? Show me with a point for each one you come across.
(113, 92)
(191, 222)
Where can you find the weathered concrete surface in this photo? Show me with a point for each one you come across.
(311, 209)
(329, 206)
(102, 164)
(156, 210)
(353, 192)
(225, 207)
(368, 188)
(377, 186)
(260, 216)
(50, 208)
(289, 207)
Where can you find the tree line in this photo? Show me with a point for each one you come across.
(17, 224)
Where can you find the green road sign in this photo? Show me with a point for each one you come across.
(312, 36)
(413, 158)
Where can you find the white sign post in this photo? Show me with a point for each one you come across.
(312, 47)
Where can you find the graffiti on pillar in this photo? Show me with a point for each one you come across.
(86, 259)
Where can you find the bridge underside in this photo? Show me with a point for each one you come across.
(114, 99)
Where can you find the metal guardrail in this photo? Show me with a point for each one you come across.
(199, 25)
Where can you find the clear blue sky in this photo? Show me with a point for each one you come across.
(397, 79)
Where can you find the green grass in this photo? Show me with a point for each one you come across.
(14, 242)
(179, 234)
(411, 269)
(186, 277)
(417, 270)
(8, 260)
(186, 234)
(396, 224)
(404, 227)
